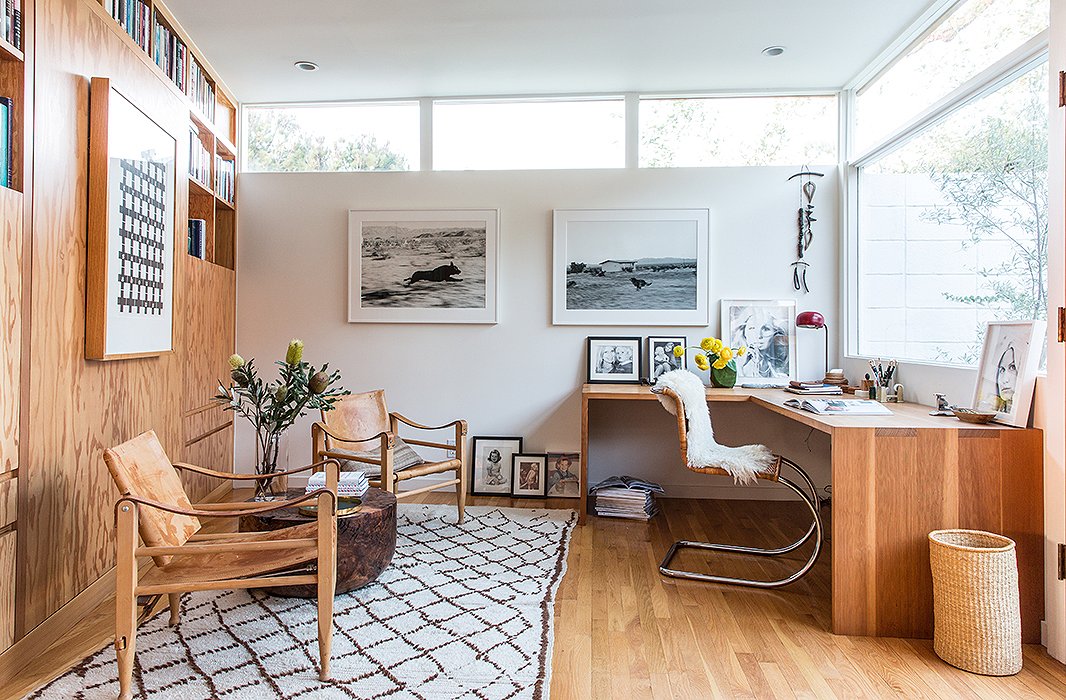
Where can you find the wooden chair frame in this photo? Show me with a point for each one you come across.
(323, 439)
(127, 549)
(808, 496)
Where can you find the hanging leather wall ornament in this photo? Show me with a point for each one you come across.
(804, 220)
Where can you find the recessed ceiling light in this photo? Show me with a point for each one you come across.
(306, 65)
(773, 51)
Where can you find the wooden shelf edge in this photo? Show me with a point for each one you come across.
(201, 188)
(224, 204)
(9, 52)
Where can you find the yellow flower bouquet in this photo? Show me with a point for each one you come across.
(715, 357)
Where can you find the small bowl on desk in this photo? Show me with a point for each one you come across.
(973, 415)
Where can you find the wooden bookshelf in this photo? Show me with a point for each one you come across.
(213, 124)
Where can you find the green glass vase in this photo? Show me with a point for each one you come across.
(725, 378)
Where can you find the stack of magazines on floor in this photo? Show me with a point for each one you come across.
(351, 484)
(626, 497)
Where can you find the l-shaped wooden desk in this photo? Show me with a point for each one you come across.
(895, 479)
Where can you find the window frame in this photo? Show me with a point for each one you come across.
(1024, 58)
(247, 108)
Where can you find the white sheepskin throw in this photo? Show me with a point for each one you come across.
(743, 463)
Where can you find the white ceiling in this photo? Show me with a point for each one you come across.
(408, 48)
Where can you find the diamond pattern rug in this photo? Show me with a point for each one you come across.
(464, 611)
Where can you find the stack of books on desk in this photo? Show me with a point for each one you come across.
(351, 484)
(813, 389)
(625, 497)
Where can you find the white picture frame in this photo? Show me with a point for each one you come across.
(630, 267)
(424, 266)
(767, 328)
(1006, 375)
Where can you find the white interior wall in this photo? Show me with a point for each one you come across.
(523, 376)
(1049, 410)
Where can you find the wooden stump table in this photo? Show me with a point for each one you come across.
(366, 540)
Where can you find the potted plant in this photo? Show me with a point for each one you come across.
(715, 357)
(272, 407)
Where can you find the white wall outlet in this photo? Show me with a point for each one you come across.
(451, 453)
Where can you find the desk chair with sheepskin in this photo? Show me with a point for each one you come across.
(682, 393)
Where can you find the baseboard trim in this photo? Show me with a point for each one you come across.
(21, 653)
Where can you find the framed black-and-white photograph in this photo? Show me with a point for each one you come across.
(129, 310)
(611, 360)
(423, 266)
(564, 475)
(630, 267)
(661, 358)
(527, 475)
(767, 328)
(1006, 376)
(490, 466)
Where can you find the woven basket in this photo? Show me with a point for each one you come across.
(977, 622)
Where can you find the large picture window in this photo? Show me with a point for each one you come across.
(953, 228)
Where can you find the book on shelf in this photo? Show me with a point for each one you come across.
(134, 16)
(625, 497)
(840, 407)
(200, 90)
(815, 389)
(197, 236)
(199, 157)
(13, 22)
(225, 178)
(6, 135)
(170, 53)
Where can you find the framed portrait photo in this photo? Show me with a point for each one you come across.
(129, 310)
(612, 360)
(564, 475)
(528, 472)
(423, 266)
(630, 267)
(490, 465)
(661, 358)
(767, 328)
(1006, 376)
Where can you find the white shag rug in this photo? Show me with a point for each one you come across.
(464, 611)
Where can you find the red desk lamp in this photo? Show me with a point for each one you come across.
(816, 321)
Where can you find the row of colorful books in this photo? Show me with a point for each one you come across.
(13, 22)
(199, 158)
(197, 238)
(135, 17)
(7, 159)
(170, 54)
(201, 91)
(225, 178)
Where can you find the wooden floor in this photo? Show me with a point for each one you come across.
(624, 631)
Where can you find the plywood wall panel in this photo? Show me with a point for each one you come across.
(10, 324)
(79, 407)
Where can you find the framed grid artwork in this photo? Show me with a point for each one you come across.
(130, 263)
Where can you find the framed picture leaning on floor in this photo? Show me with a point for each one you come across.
(490, 465)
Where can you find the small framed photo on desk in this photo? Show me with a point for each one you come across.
(613, 360)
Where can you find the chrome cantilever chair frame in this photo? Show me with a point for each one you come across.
(810, 500)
